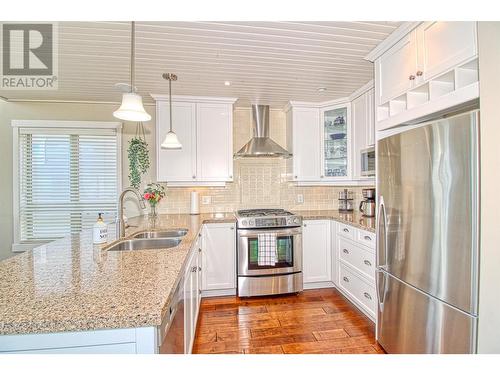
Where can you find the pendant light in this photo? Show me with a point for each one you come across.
(132, 108)
(171, 141)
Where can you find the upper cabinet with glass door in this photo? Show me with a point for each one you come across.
(336, 142)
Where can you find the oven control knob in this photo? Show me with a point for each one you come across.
(244, 223)
(296, 220)
(251, 222)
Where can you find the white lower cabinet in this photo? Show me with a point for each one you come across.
(192, 294)
(358, 290)
(317, 252)
(355, 267)
(219, 259)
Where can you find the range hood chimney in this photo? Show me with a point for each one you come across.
(261, 145)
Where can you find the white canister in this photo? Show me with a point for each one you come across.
(195, 203)
(100, 231)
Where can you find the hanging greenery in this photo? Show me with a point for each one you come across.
(138, 158)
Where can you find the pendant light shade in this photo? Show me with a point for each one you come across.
(132, 109)
(171, 142)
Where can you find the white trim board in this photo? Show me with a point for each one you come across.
(392, 39)
(66, 124)
(346, 99)
(194, 99)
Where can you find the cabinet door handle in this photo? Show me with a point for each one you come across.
(345, 251)
(231, 176)
(295, 177)
(368, 238)
(345, 279)
(367, 262)
(199, 268)
(194, 177)
(411, 77)
(419, 73)
(322, 176)
(199, 249)
(367, 296)
(232, 228)
(346, 230)
(305, 225)
(194, 268)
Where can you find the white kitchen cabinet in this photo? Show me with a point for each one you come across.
(214, 142)
(370, 122)
(395, 70)
(431, 68)
(176, 165)
(142, 340)
(305, 124)
(219, 258)
(192, 293)
(204, 127)
(363, 129)
(444, 45)
(354, 253)
(336, 143)
(323, 134)
(317, 251)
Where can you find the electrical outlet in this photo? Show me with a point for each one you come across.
(300, 198)
(206, 199)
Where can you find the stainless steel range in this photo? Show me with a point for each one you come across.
(269, 252)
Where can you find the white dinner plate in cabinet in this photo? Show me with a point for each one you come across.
(357, 257)
(362, 292)
(345, 230)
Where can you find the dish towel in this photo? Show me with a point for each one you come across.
(267, 249)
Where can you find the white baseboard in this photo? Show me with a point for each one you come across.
(319, 285)
(218, 292)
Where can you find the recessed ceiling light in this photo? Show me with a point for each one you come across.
(321, 89)
(227, 83)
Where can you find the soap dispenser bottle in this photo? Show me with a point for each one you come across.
(100, 231)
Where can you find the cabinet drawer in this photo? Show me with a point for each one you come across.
(357, 257)
(346, 230)
(366, 238)
(363, 292)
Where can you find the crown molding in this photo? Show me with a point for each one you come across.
(197, 99)
(367, 86)
(392, 39)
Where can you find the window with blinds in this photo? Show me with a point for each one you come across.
(66, 177)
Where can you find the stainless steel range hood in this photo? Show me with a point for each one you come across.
(261, 145)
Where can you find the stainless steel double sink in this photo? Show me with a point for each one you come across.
(150, 240)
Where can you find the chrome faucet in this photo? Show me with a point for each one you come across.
(120, 223)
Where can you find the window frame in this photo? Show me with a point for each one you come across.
(17, 246)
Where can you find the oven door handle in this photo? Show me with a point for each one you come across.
(250, 233)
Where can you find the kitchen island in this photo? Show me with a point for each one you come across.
(87, 297)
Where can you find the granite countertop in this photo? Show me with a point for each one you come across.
(72, 285)
(354, 218)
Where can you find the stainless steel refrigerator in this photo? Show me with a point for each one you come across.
(427, 240)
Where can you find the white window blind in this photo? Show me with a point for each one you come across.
(66, 177)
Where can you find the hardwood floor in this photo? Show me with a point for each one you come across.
(315, 321)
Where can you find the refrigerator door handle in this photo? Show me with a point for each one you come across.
(381, 277)
(381, 255)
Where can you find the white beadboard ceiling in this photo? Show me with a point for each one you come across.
(266, 62)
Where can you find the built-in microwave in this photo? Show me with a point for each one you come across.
(368, 161)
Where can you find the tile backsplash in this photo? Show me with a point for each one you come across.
(258, 183)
